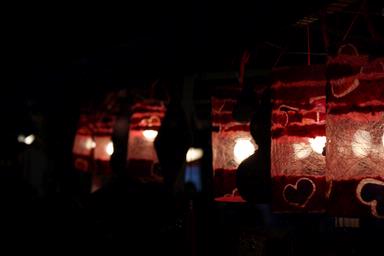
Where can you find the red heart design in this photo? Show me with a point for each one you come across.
(373, 197)
(299, 194)
(343, 86)
(280, 117)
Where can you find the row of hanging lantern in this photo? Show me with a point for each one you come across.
(341, 114)
(93, 146)
(327, 137)
(349, 179)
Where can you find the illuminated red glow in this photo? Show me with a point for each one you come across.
(231, 144)
(298, 140)
(144, 124)
(355, 126)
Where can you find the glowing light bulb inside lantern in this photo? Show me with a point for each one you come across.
(194, 154)
(302, 150)
(109, 148)
(29, 139)
(150, 135)
(89, 143)
(318, 144)
(362, 143)
(243, 149)
(26, 140)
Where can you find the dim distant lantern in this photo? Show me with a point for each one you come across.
(355, 126)
(103, 148)
(28, 140)
(298, 139)
(144, 125)
(231, 144)
(194, 154)
(93, 147)
(93, 141)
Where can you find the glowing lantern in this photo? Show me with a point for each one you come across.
(231, 144)
(194, 154)
(355, 126)
(298, 139)
(144, 124)
(28, 140)
(93, 147)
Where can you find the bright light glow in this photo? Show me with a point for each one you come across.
(150, 135)
(194, 154)
(382, 138)
(302, 150)
(29, 139)
(243, 149)
(109, 148)
(21, 138)
(362, 143)
(89, 143)
(318, 144)
(26, 140)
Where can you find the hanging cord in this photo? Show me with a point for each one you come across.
(243, 62)
(282, 51)
(350, 26)
(354, 20)
(324, 31)
(308, 47)
(153, 89)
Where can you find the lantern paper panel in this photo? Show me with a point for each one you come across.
(298, 139)
(231, 144)
(93, 145)
(355, 130)
(144, 125)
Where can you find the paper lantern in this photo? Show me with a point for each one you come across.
(231, 144)
(355, 127)
(144, 125)
(298, 139)
(93, 147)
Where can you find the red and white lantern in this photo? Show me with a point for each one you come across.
(144, 125)
(298, 139)
(355, 130)
(231, 144)
(93, 147)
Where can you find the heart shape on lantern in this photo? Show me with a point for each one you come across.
(280, 117)
(343, 86)
(371, 192)
(300, 193)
